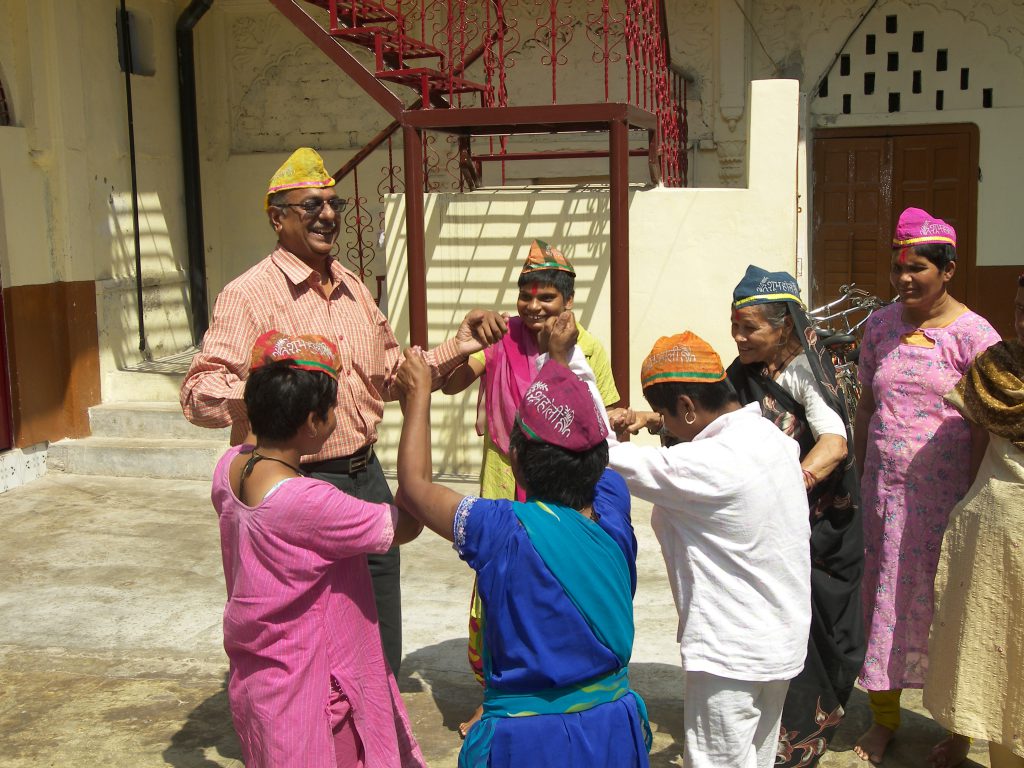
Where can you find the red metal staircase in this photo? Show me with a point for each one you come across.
(428, 45)
(383, 31)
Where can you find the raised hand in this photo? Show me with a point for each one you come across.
(413, 376)
(481, 328)
(558, 336)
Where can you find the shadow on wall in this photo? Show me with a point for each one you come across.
(476, 246)
(164, 283)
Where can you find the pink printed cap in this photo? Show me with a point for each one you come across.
(558, 409)
(917, 227)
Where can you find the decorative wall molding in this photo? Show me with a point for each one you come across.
(732, 161)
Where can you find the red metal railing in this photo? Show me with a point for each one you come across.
(429, 46)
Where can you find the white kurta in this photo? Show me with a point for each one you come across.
(730, 512)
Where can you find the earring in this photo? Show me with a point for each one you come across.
(314, 433)
(690, 417)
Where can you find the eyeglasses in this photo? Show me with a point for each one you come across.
(314, 205)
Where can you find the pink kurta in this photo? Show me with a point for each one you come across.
(300, 612)
(915, 472)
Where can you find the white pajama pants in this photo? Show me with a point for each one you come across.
(732, 723)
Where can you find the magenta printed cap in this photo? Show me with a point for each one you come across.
(558, 409)
(917, 227)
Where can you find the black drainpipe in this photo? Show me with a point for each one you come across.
(190, 166)
(126, 51)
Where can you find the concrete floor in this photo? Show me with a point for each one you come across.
(110, 646)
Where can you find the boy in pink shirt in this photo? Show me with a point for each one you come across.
(308, 682)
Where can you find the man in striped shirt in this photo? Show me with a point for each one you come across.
(301, 289)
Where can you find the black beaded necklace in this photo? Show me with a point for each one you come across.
(254, 459)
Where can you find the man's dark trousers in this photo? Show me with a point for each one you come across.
(370, 485)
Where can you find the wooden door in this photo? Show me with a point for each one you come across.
(864, 178)
(934, 173)
(852, 208)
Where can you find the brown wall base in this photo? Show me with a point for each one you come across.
(53, 348)
(994, 291)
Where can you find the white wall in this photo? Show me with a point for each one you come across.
(24, 244)
(66, 174)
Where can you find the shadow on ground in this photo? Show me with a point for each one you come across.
(208, 727)
(910, 746)
(443, 671)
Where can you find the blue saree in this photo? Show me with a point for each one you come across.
(558, 632)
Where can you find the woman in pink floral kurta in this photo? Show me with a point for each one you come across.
(915, 472)
(915, 452)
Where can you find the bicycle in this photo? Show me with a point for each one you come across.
(839, 330)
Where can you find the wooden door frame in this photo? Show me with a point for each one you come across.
(966, 251)
(6, 398)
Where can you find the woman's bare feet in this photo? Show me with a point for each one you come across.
(950, 752)
(872, 744)
(464, 727)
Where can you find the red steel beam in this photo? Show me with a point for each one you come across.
(618, 146)
(336, 52)
(366, 151)
(547, 118)
(415, 238)
(571, 154)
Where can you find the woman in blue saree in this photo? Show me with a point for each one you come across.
(556, 573)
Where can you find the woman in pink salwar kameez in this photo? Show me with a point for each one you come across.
(915, 451)
(308, 683)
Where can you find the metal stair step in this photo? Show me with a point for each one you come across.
(358, 12)
(389, 45)
(439, 80)
(136, 457)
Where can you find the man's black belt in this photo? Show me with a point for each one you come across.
(346, 465)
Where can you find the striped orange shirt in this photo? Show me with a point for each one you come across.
(283, 293)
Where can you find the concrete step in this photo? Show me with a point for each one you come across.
(153, 420)
(180, 459)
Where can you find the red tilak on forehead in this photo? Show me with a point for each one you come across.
(534, 287)
(904, 254)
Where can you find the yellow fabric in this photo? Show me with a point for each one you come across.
(917, 339)
(303, 169)
(885, 706)
(978, 631)
(475, 646)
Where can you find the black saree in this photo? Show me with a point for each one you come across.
(817, 696)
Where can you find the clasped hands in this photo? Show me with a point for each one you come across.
(626, 420)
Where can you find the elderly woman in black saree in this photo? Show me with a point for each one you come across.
(782, 367)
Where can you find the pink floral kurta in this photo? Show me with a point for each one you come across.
(915, 471)
(300, 619)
